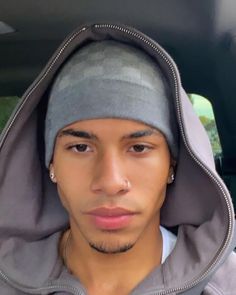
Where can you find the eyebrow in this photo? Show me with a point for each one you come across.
(142, 133)
(77, 133)
(89, 135)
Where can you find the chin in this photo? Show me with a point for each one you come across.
(105, 248)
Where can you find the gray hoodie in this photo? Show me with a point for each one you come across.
(32, 218)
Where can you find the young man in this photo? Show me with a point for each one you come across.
(129, 202)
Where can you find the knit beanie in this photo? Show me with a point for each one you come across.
(110, 79)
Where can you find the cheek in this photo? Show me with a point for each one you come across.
(72, 184)
(155, 190)
(71, 172)
(153, 171)
(151, 180)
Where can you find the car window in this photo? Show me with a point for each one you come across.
(204, 110)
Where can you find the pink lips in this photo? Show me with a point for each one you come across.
(111, 218)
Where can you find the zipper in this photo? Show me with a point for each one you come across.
(24, 100)
(2, 139)
(195, 158)
(151, 44)
(43, 290)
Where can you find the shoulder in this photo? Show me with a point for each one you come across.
(223, 281)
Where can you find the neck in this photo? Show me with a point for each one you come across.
(94, 269)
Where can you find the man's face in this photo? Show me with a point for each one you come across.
(111, 176)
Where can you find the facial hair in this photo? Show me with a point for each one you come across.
(102, 248)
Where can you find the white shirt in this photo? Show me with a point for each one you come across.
(169, 241)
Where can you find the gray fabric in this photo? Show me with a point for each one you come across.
(110, 79)
(32, 217)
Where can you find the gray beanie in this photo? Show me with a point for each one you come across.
(110, 79)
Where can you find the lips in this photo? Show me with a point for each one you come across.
(111, 218)
(117, 211)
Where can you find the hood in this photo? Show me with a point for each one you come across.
(32, 218)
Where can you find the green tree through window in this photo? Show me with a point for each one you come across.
(203, 108)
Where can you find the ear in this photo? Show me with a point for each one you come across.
(52, 173)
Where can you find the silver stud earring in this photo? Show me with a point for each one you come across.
(52, 176)
(171, 176)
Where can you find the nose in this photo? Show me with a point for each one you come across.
(109, 177)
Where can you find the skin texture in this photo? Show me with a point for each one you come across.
(112, 163)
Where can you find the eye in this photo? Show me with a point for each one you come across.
(81, 148)
(140, 148)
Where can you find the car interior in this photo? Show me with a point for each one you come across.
(199, 35)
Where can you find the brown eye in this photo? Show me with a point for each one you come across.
(81, 147)
(140, 148)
